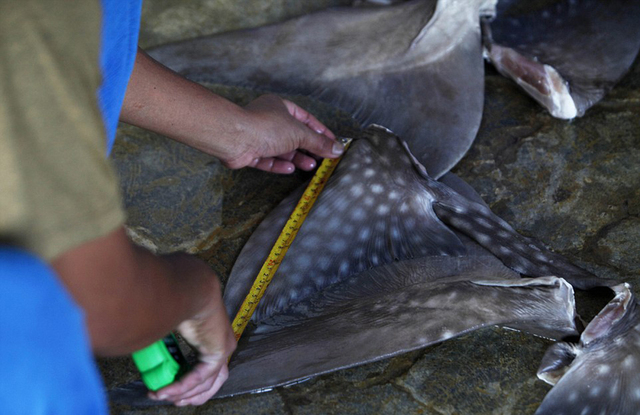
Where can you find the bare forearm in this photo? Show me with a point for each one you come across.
(130, 296)
(160, 100)
(266, 134)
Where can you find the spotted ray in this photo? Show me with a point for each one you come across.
(389, 265)
(601, 374)
(374, 272)
(415, 67)
(566, 54)
(381, 206)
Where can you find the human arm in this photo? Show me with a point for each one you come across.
(267, 134)
(132, 298)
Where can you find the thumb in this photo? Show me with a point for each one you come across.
(323, 142)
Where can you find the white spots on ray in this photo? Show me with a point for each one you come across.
(341, 205)
(505, 250)
(400, 181)
(375, 260)
(393, 195)
(459, 223)
(334, 224)
(358, 214)
(367, 159)
(483, 222)
(483, 238)
(461, 209)
(324, 262)
(377, 188)
(595, 391)
(344, 267)
(395, 233)
(382, 210)
(338, 245)
(636, 394)
(319, 280)
(573, 396)
(295, 278)
(540, 256)
(311, 241)
(613, 392)
(629, 362)
(347, 178)
(347, 229)
(520, 246)
(409, 223)
(368, 201)
(357, 190)
(604, 369)
(585, 411)
(404, 207)
(364, 234)
(368, 173)
(303, 260)
(504, 234)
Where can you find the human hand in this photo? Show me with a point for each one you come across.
(277, 136)
(211, 334)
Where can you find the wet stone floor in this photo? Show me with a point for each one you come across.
(573, 185)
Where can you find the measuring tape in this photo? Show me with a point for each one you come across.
(161, 362)
(284, 241)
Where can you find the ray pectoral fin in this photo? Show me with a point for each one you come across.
(374, 210)
(343, 328)
(601, 374)
(524, 255)
(566, 54)
(414, 67)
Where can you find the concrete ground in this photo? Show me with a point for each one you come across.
(573, 185)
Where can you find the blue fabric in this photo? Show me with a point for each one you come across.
(47, 366)
(119, 42)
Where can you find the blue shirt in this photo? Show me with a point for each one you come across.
(119, 42)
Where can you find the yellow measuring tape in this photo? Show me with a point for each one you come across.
(284, 241)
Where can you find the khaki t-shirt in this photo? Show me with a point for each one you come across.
(57, 189)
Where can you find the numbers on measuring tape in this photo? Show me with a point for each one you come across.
(284, 241)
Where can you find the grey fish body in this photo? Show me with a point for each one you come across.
(381, 206)
(415, 67)
(601, 374)
(374, 272)
(568, 54)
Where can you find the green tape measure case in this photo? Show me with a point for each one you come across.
(160, 363)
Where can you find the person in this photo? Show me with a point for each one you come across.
(61, 218)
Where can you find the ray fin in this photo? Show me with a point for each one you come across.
(566, 55)
(601, 374)
(414, 67)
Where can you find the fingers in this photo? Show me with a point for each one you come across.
(323, 144)
(196, 387)
(284, 133)
(309, 120)
(285, 164)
